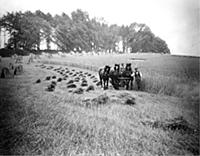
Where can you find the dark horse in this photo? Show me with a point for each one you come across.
(114, 75)
(127, 73)
(104, 74)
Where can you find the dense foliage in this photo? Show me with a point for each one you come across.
(77, 33)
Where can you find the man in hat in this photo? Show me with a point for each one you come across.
(138, 77)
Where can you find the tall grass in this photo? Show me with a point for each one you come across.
(169, 85)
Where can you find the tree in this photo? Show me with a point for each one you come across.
(44, 23)
(26, 29)
(124, 33)
(11, 23)
(141, 39)
(77, 33)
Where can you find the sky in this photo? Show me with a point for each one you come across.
(175, 21)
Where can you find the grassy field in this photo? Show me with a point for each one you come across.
(110, 122)
(163, 74)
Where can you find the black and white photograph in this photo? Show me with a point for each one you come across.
(99, 77)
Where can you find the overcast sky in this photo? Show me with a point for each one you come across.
(175, 21)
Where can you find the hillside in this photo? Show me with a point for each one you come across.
(98, 122)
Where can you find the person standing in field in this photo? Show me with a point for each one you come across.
(138, 77)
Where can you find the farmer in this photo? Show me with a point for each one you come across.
(138, 76)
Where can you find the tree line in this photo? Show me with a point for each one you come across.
(77, 33)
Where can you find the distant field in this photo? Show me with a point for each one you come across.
(163, 64)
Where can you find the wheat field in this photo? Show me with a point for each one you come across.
(102, 122)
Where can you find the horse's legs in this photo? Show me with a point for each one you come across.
(127, 84)
(107, 80)
(101, 81)
(104, 84)
(131, 83)
(116, 82)
(139, 85)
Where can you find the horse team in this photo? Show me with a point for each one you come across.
(120, 76)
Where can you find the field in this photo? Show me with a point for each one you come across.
(164, 74)
(162, 119)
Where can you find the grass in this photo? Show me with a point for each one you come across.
(162, 74)
(36, 122)
(63, 126)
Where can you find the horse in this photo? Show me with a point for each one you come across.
(127, 73)
(104, 76)
(114, 75)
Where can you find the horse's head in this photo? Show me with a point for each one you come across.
(106, 69)
(116, 68)
(128, 67)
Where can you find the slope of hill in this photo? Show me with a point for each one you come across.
(62, 122)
